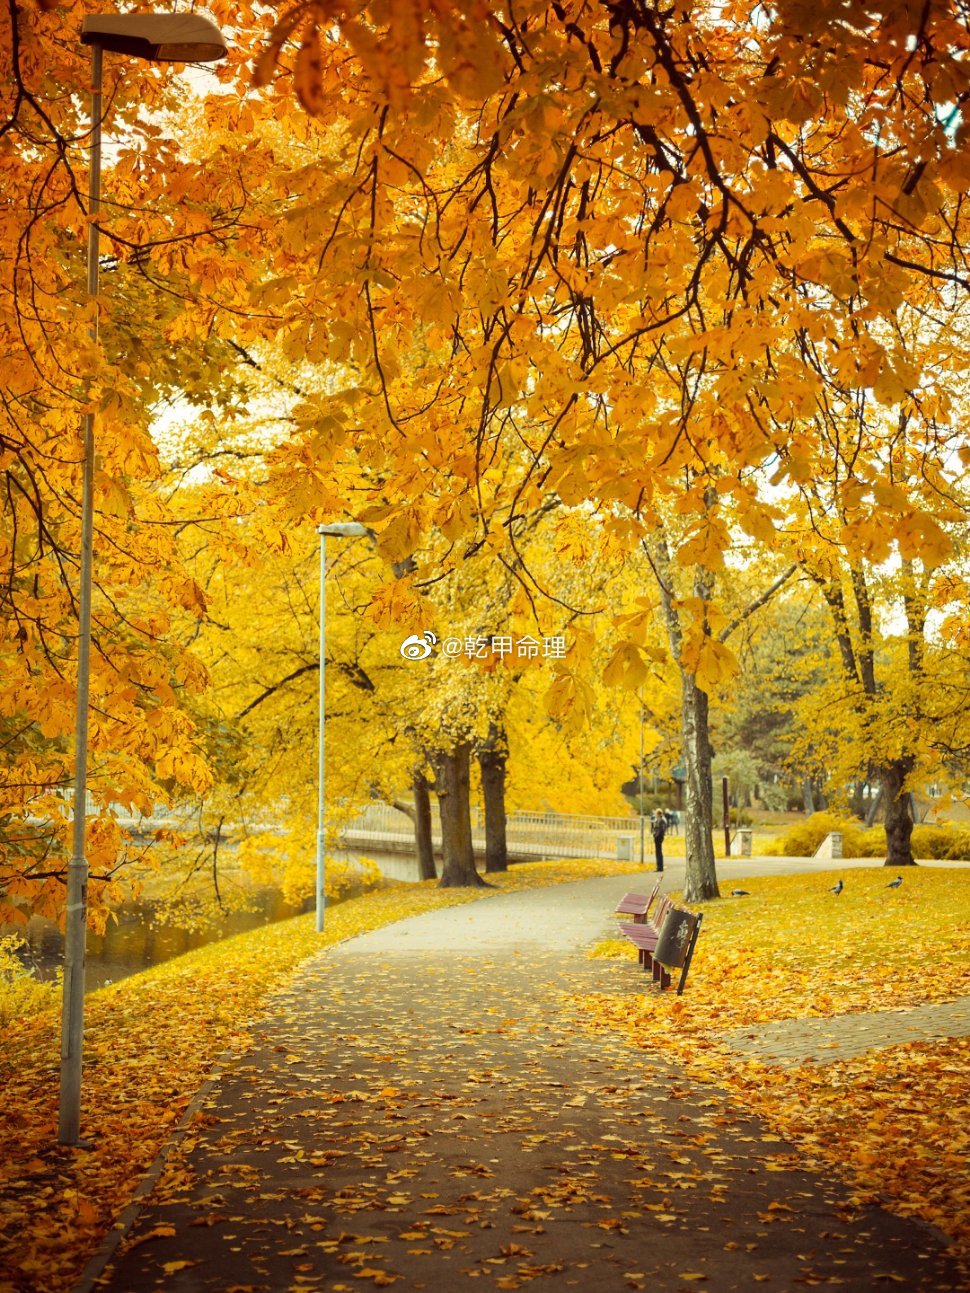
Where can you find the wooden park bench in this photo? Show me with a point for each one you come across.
(648, 922)
(637, 905)
(669, 945)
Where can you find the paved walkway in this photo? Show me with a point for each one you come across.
(419, 1111)
(839, 1037)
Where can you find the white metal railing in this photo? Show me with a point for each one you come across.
(534, 833)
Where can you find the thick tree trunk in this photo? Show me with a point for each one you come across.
(422, 827)
(899, 821)
(698, 791)
(701, 878)
(492, 758)
(451, 770)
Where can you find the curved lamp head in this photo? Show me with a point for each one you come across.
(344, 530)
(158, 37)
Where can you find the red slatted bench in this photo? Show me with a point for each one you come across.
(637, 905)
(649, 926)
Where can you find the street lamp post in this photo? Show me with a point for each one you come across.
(159, 38)
(640, 788)
(338, 530)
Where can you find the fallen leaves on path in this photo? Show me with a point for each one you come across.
(893, 1120)
(511, 1147)
(150, 1043)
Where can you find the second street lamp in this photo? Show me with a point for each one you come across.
(338, 530)
(159, 38)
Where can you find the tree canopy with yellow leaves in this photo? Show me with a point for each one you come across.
(664, 266)
(626, 257)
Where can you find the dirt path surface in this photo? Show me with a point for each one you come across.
(423, 1110)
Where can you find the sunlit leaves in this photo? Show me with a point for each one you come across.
(642, 275)
(155, 343)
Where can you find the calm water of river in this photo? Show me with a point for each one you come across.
(137, 941)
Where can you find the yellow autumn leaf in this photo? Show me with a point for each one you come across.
(711, 662)
(626, 667)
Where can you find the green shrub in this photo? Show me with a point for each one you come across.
(648, 802)
(20, 993)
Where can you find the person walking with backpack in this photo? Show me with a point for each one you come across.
(658, 829)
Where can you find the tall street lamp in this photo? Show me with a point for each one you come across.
(640, 787)
(159, 38)
(339, 530)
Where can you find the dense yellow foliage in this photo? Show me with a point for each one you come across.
(20, 993)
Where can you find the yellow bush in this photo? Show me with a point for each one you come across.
(868, 844)
(802, 840)
(951, 842)
(288, 859)
(20, 993)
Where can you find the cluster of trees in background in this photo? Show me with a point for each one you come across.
(640, 324)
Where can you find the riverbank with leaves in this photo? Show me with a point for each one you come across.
(892, 1120)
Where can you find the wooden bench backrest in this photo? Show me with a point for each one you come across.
(664, 904)
(636, 904)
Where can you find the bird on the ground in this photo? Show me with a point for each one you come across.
(894, 884)
(837, 888)
(739, 893)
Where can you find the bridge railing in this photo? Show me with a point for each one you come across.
(533, 834)
(528, 833)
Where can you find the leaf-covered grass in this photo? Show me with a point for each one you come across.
(20, 993)
(894, 1120)
(150, 1042)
